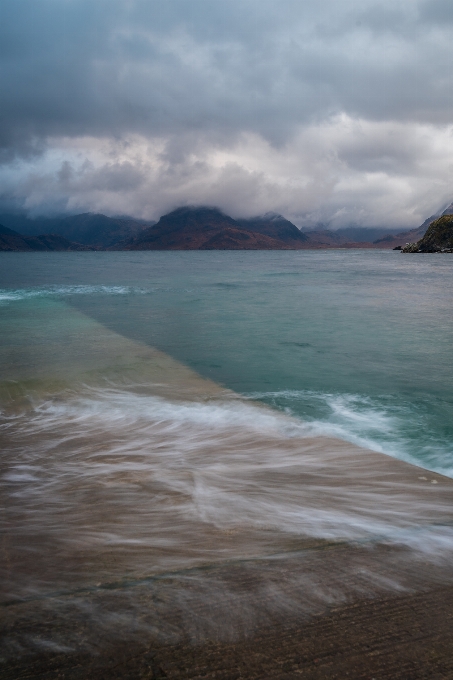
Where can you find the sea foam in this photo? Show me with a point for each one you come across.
(182, 482)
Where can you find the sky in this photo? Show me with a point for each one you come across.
(337, 112)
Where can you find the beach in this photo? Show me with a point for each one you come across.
(160, 524)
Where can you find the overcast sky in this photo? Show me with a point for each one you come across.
(339, 111)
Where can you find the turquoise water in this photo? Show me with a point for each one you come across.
(357, 343)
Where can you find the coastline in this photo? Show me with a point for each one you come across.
(243, 597)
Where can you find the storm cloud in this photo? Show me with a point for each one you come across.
(335, 111)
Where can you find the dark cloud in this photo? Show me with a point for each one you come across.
(77, 67)
(436, 11)
(192, 77)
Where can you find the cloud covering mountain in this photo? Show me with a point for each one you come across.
(333, 112)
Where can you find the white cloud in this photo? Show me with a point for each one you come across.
(331, 111)
(338, 172)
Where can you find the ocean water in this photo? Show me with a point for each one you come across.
(166, 410)
(357, 343)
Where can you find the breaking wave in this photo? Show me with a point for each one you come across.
(386, 424)
(65, 291)
(110, 472)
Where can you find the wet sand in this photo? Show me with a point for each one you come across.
(371, 631)
(262, 553)
(313, 609)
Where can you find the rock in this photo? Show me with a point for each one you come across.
(438, 238)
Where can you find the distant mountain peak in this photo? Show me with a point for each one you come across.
(207, 227)
(91, 229)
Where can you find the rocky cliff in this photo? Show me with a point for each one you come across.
(438, 238)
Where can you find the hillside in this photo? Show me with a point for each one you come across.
(11, 241)
(205, 228)
(90, 229)
(438, 238)
(275, 226)
(193, 228)
(399, 241)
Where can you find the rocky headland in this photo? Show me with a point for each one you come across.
(437, 239)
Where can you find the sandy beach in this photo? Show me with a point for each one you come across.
(256, 551)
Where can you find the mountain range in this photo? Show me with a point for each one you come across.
(90, 229)
(189, 228)
(205, 228)
(12, 241)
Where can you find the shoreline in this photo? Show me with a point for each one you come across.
(334, 599)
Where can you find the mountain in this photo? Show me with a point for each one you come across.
(4, 231)
(195, 228)
(324, 238)
(448, 211)
(361, 237)
(90, 229)
(342, 238)
(438, 237)
(204, 228)
(11, 241)
(276, 226)
(399, 241)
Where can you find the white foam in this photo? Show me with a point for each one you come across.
(63, 291)
(365, 422)
(226, 464)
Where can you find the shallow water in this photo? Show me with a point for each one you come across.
(356, 342)
(231, 440)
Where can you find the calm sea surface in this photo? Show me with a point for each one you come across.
(166, 410)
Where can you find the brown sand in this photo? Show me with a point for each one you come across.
(384, 614)
(300, 608)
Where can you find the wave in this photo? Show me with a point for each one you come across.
(169, 475)
(386, 424)
(64, 291)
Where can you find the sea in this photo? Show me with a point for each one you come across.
(162, 412)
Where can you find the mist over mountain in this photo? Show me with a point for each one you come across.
(276, 226)
(326, 112)
(89, 229)
(206, 228)
(196, 227)
(12, 241)
(438, 237)
(364, 234)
